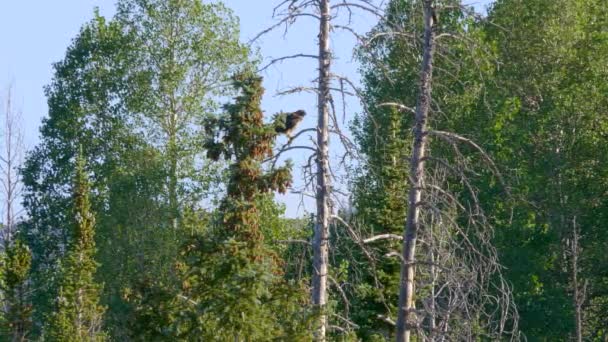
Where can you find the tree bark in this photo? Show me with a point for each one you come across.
(406, 319)
(579, 295)
(321, 234)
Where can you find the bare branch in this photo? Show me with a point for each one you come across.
(399, 106)
(383, 237)
(280, 59)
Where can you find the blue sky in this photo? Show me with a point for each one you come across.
(34, 34)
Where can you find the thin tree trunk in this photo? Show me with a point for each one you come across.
(173, 200)
(10, 160)
(432, 322)
(406, 320)
(579, 296)
(321, 234)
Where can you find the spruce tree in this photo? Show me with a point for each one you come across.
(78, 314)
(233, 284)
(16, 264)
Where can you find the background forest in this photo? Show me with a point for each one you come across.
(465, 198)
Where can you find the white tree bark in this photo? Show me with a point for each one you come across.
(10, 161)
(406, 319)
(321, 234)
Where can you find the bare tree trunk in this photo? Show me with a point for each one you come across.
(578, 295)
(406, 319)
(321, 234)
(432, 319)
(10, 160)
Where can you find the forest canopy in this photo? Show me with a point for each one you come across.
(463, 197)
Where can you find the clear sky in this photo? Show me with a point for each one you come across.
(35, 33)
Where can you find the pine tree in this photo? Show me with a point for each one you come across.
(233, 284)
(78, 314)
(16, 265)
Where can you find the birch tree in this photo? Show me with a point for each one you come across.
(133, 91)
(184, 53)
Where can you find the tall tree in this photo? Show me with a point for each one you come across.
(326, 12)
(405, 317)
(233, 284)
(78, 315)
(83, 111)
(133, 91)
(321, 234)
(549, 129)
(397, 89)
(184, 51)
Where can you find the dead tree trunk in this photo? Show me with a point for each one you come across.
(321, 234)
(406, 319)
(10, 183)
(10, 161)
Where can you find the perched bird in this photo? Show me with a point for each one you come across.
(286, 123)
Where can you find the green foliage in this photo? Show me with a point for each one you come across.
(134, 94)
(83, 111)
(233, 284)
(78, 315)
(549, 132)
(184, 52)
(140, 94)
(16, 264)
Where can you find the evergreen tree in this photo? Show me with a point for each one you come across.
(78, 315)
(16, 264)
(83, 111)
(233, 284)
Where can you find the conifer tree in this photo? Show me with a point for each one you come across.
(233, 283)
(78, 314)
(16, 266)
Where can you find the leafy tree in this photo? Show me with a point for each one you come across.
(83, 111)
(549, 129)
(133, 93)
(184, 52)
(233, 284)
(78, 314)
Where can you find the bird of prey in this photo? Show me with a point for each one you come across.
(287, 122)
